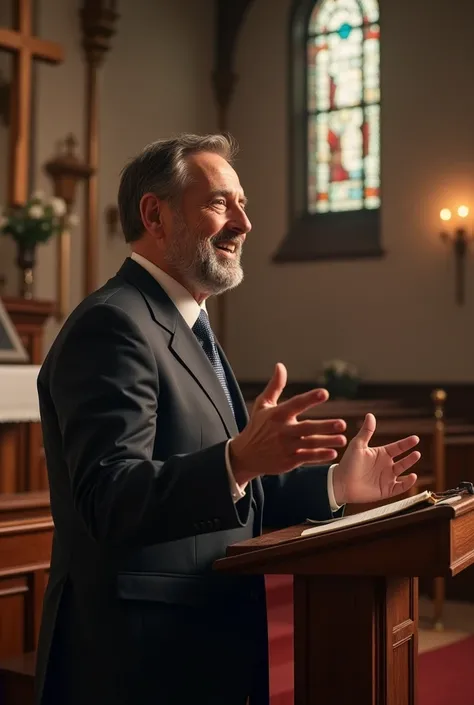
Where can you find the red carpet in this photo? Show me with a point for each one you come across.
(443, 674)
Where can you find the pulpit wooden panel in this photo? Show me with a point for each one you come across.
(355, 593)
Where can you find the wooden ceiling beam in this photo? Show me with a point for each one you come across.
(229, 18)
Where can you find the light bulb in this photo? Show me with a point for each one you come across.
(463, 211)
(445, 214)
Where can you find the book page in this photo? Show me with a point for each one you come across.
(370, 515)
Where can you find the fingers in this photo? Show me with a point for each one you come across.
(404, 483)
(315, 457)
(399, 447)
(301, 402)
(274, 388)
(312, 428)
(362, 439)
(406, 463)
(322, 442)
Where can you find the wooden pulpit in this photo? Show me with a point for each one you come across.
(356, 598)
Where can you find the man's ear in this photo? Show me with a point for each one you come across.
(150, 212)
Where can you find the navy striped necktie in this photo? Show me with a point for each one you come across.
(203, 332)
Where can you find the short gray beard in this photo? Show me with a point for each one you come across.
(194, 258)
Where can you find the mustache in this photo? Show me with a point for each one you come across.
(227, 236)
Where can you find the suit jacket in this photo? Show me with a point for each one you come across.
(135, 424)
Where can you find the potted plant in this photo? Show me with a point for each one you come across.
(341, 379)
(29, 225)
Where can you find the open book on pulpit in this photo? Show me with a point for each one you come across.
(417, 501)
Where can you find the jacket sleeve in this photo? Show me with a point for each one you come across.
(104, 386)
(296, 496)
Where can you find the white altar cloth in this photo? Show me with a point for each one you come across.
(18, 393)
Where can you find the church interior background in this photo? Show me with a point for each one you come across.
(354, 122)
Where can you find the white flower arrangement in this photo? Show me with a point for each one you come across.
(340, 378)
(339, 368)
(36, 221)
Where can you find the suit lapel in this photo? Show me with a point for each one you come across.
(183, 343)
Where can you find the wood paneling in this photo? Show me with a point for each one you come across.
(22, 460)
(25, 546)
(26, 531)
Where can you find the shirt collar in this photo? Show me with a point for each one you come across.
(179, 295)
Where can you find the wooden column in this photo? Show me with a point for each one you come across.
(439, 461)
(98, 19)
(229, 18)
(66, 170)
(10, 449)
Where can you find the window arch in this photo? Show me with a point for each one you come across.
(335, 192)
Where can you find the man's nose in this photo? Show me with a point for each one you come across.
(240, 223)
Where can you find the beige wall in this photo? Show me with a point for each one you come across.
(155, 82)
(395, 317)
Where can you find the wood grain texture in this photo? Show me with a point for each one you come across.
(22, 460)
(356, 598)
(25, 48)
(26, 530)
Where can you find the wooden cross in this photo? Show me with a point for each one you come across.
(25, 48)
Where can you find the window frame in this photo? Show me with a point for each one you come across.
(316, 236)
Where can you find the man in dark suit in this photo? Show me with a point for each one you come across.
(155, 468)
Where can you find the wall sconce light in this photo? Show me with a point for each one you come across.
(459, 238)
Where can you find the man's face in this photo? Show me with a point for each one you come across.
(206, 232)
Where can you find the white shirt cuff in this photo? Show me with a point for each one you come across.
(237, 491)
(332, 499)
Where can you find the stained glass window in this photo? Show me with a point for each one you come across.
(343, 106)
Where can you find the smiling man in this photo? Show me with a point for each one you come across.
(155, 467)
(197, 240)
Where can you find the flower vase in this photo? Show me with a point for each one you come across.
(341, 386)
(26, 260)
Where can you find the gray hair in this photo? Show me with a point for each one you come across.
(161, 168)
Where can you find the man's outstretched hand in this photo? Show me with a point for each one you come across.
(275, 441)
(367, 474)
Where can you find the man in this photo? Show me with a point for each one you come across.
(155, 468)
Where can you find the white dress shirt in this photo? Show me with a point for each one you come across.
(189, 309)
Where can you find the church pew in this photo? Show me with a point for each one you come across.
(26, 530)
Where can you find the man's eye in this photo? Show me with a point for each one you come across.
(220, 202)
